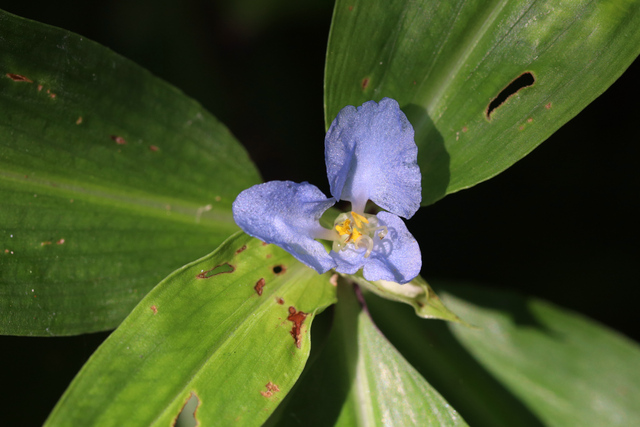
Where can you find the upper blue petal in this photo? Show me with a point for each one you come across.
(287, 214)
(396, 258)
(371, 154)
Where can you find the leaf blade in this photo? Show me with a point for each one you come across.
(202, 315)
(103, 157)
(526, 361)
(359, 378)
(445, 62)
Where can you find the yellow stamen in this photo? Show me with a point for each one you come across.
(359, 219)
(357, 230)
(355, 235)
(344, 227)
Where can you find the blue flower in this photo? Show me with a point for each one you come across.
(370, 155)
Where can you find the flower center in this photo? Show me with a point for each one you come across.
(357, 230)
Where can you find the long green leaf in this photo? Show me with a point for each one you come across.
(231, 330)
(109, 180)
(526, 363)
(360, 379)
(445, 62)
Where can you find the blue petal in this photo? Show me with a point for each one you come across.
(371, 155)
(396, 258)
(286, 214)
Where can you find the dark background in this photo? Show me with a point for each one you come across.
(561, 224)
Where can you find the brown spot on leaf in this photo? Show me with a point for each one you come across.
(548, 106)
(79, 120)
(271, 389)
(244, 247)
(279, 269)
(154, 309)
(60, 242)
(19, 78)
(529, 120)
(465, 129)
(218, 269)
(365, 83)
(45, 243)
(297, 317)
(153, 148)
(279, 300)
(259, 286)
(264, 243)
(118, 139)
(39, 88)
(268, 256)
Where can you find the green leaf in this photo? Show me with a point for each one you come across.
(528, 362)
(446, 61)
(417, 293)
(360, 379)
(229, 329)
(109, 179)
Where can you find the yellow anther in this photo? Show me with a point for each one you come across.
(359, 219)
(355, 235)
(357, 230)
(344, 227)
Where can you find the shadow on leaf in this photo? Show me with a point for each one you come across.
(437, 354)
(320, 394)
(433, 157)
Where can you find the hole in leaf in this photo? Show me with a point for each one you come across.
(522, 81)
(187, 415)
(279, 269)
(218, 269)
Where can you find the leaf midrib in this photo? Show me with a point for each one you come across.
(434, 100)
(132, 200)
